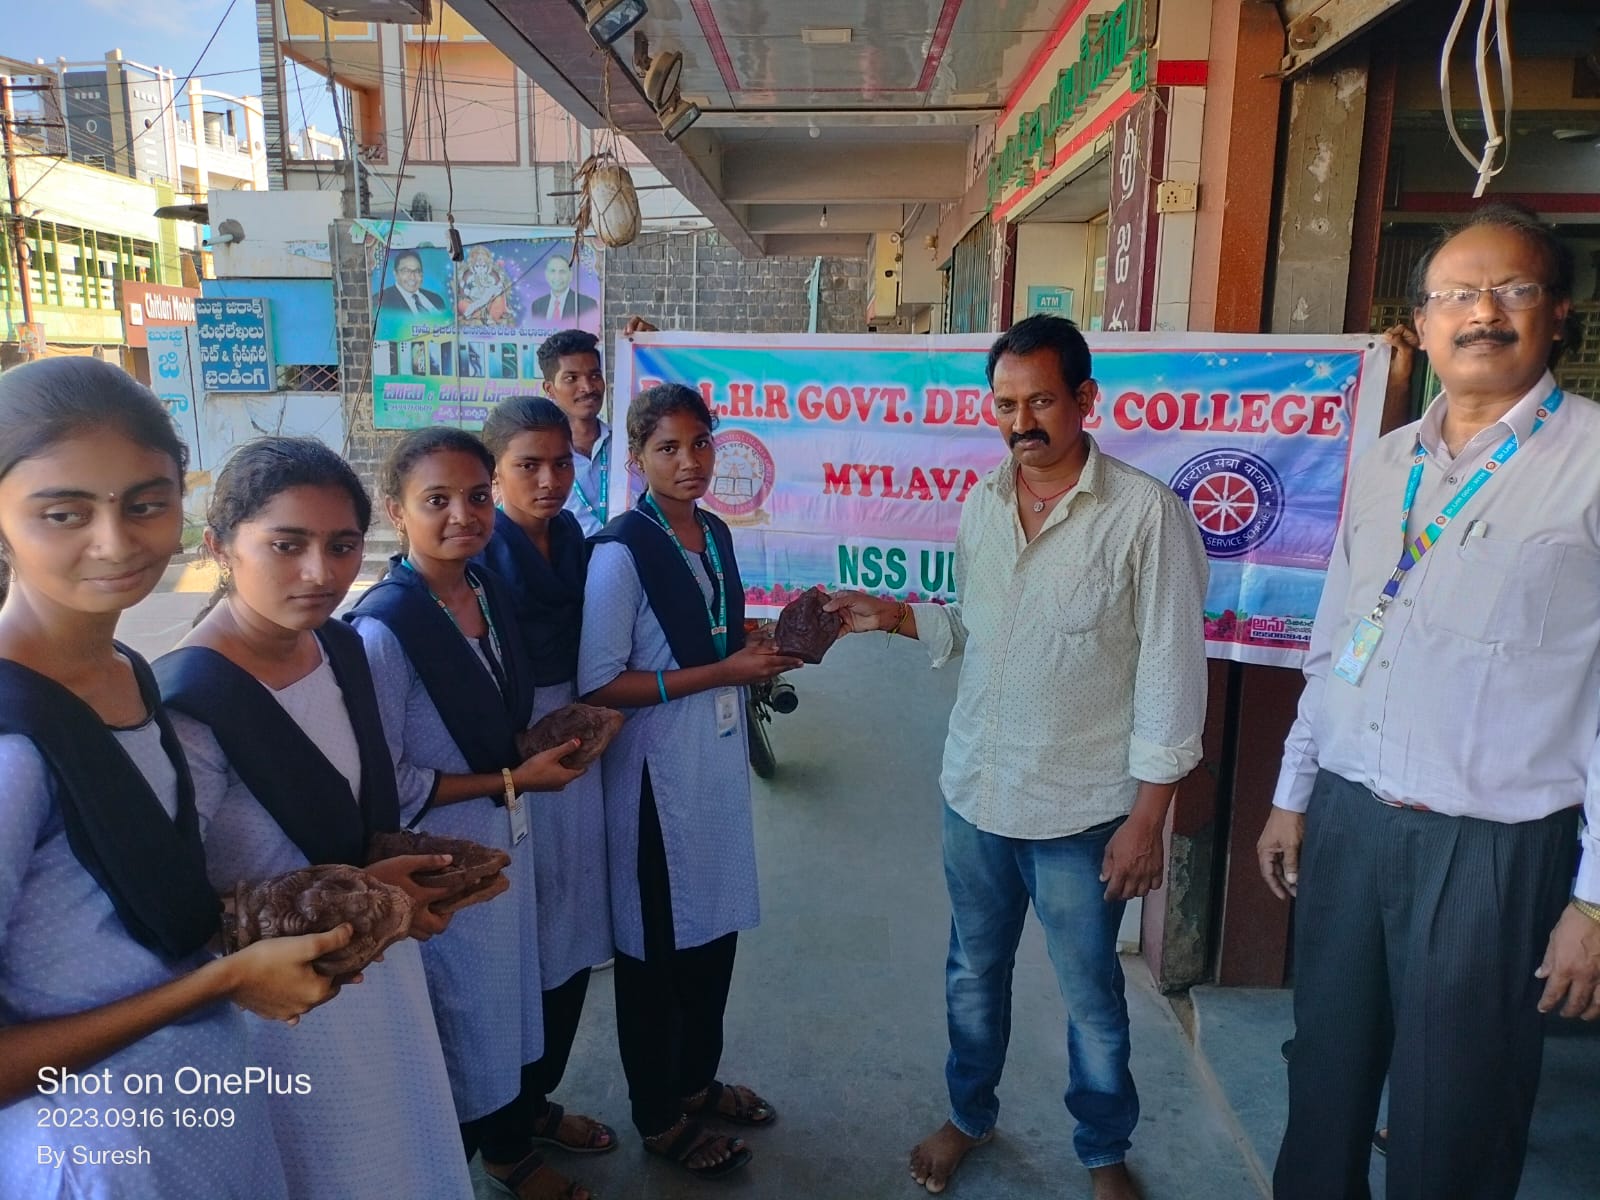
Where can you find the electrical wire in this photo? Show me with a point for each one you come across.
(1497, 145)
(176, 91)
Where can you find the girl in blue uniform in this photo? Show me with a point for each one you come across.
(453, 683)
(663, 639)
(106, 969)
(274, 704)
(539, 550)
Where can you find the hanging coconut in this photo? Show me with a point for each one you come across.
(610, 205)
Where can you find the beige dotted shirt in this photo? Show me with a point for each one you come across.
(1084, 658)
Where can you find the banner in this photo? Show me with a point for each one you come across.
(843, 461)
(451, 338)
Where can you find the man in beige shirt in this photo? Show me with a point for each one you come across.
(1080, 707)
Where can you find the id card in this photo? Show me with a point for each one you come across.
(727, 712)
(1364, 638)
(518, 812)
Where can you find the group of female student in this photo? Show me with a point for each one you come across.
(277, 736)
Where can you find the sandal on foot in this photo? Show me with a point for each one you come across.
(693, 1136)
(525, 1171)
(748, 1108)
(598, 1138)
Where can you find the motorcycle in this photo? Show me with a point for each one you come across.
(762, 699)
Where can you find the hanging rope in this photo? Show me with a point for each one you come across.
(1497, 145)
(609, 202)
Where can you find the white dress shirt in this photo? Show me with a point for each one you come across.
(417, 301)
(553, 311)
(1483, 696)
(1084, 667)
(588, 500)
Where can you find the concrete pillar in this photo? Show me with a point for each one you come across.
(197, 124)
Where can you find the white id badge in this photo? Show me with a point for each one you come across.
(727, 712)
(1352, 664)
(518, 812)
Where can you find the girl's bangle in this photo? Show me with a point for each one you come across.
(661, 685)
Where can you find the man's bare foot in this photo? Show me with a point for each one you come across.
(1113, 1183)
(935, 1158)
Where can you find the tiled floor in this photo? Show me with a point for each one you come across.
(1239, 1035)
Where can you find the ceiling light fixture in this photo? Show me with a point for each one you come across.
(838, 36)
(823, 224)
(661, 80)
(608, 20)
(676, 120)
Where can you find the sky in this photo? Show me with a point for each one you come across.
(163, 33)
(158, 33)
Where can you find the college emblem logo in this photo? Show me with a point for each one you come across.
(744, 477)
(1235, 497)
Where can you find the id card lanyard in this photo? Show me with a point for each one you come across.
(516, 811)
(1352, 664)
(496, 657)
(597, 507)
(718, 616)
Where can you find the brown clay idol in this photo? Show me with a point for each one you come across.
(317, 899)
(593, 727)
(804, 630)
(472, 863)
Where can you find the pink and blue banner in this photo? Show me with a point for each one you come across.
(843, 461)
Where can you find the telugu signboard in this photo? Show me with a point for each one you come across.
(843, 461)
(454, 337)
(1136, 141)
(235, 339)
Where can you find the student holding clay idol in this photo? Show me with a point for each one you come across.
(106, 947)
(663, 640)
(274, 704)
(454, 687)
(538, 549)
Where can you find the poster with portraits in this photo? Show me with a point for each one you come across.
(451, 338)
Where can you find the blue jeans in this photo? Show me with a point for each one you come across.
(991, 881)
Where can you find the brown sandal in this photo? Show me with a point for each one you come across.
(547, 1132)
(748, 1108)
(524, 1172)
(691, 1137)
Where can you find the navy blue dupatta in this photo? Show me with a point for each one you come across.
(151, 866)
(481, 719)
(546, 594)
(283, 768)
(671, 588)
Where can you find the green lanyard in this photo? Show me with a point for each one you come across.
(718, 616)
(603, 461)
(496, 657)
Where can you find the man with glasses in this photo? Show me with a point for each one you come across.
(1427, 812)
(407, 293)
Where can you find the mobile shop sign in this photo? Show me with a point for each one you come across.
(453, 338)
(843, 461)
(235, 345)
(155, 306)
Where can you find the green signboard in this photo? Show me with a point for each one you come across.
(1101, 53)
(1050, 301)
